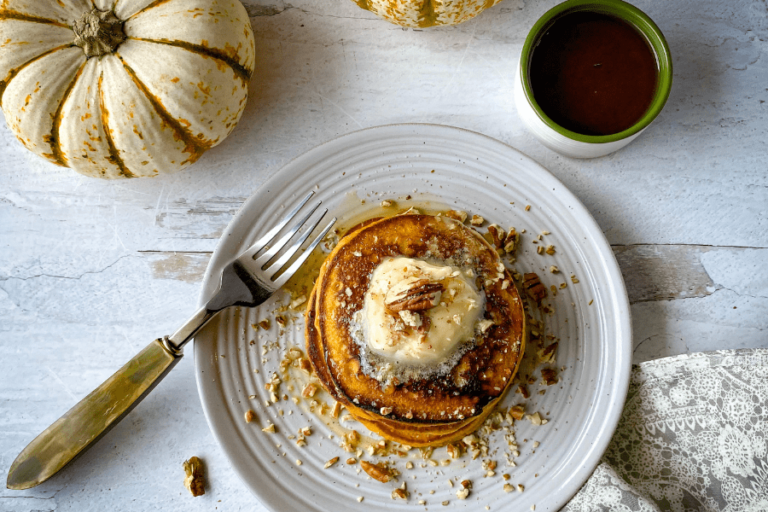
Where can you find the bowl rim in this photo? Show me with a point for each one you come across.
(626, 12)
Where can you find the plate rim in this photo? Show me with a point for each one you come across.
(623, 323)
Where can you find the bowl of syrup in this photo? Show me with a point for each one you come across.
(592, 76)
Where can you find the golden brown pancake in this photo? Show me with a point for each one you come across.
(433, 406)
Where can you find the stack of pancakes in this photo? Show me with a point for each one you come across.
(437, 403)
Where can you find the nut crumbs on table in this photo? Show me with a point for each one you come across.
(195, 477)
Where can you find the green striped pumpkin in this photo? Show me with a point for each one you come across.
(123, 88)
(426, 13)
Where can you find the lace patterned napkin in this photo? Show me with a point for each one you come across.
(693, 437)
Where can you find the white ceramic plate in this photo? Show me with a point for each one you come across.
(482, 176)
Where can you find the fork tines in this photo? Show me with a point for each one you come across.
(260, 262)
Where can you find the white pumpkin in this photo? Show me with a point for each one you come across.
(426, 13)
(123, 88)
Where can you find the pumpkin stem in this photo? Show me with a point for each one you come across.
(98, 32)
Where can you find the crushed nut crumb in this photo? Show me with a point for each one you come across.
(459, 215)
(309, 390)
(194, 480)
(534, 418)
(401, 494)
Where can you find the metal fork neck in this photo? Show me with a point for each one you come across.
(176, 341)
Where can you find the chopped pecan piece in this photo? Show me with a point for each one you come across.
(517, 411)
(454, 450)
(497, 235)
(195, 478)
(511, 240)
(547, 354)
(533, 287)
(306, 366)
(400, 494)
(458, 215)
(549, 376)
(381, 471)
(309, 390)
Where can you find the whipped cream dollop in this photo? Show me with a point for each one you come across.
(419, 312)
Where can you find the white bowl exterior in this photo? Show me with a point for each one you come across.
(556, 141)
(478, 174)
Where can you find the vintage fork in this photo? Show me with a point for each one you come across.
(247, 281)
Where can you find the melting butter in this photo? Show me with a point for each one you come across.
(406, 336)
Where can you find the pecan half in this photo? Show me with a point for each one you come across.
(420, 296)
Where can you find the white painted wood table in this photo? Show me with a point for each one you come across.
(91, 271)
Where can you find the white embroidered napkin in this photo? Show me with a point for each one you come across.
(693, 437)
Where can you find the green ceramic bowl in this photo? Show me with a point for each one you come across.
(535, 118)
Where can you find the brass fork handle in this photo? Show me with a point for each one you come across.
(93, 416)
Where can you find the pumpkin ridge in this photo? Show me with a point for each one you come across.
(12, 73)
(206, 51)
(114, 154)
(194, 146)
(15, 15)
(143, 9)
(54, 139)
